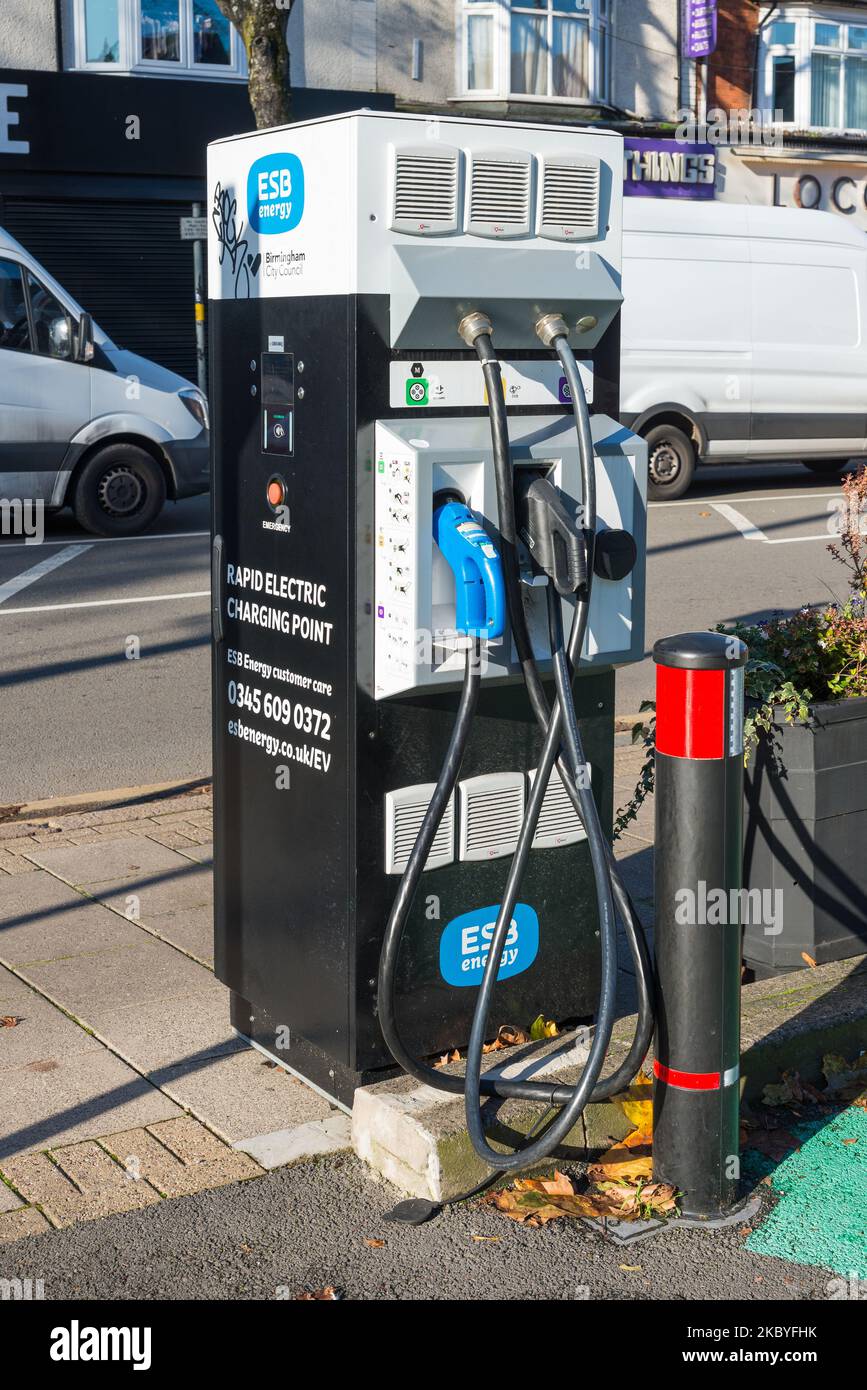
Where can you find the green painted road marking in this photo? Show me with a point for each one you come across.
(821, 1215)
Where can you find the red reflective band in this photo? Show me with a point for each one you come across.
(690, 713)
(687, 1080)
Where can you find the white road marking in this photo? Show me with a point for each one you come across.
(741, 522)
(104, 602)
(36, 572)
(761, 497)
(116, 540)
(750, 532)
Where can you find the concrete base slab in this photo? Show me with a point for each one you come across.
(328, 1136)
(416, 1136)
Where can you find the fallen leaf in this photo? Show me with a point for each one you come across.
(542, 1028)
(327, 1295)
(538, 1201)
(636, 1103)
(842, 1075)
(700, 514)
(809, 959)
(624, 1162)
(374, 1244)
(247, 1249)
(786, 1092)
(774, 1143)
(509, 1035)
(9, 1021)
(447, 1058)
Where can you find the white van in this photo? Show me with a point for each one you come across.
(82, 422)
(744, 336)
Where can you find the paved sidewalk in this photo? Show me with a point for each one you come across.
(121, 1079)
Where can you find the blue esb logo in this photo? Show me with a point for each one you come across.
(275, 193)
(466, 940)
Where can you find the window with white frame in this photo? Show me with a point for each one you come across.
(537, 50)
(815, 68)
(170, 37)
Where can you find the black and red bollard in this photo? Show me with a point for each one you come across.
(698, 877)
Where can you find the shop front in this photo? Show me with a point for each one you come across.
(96, 172)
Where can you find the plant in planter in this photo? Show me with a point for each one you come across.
(805, 738)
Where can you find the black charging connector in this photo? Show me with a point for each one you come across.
(556, 543)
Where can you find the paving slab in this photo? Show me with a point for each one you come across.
(153, 1037)
(78, 1183)
(86, 865)
(241, 1095)
(43, 919)
(59, 1083)
(89, 986)
(331, 1135)
(9, 1200)
(175, 1163)
(27, 1221)
(180, 909)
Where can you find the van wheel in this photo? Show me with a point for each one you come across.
(119, 492)
(823, 465)
(670, 462)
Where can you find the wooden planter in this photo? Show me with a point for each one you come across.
(806, 837)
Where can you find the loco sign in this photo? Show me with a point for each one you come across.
(275, 193)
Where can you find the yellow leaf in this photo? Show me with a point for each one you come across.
(636, 1104)
(542, 1028)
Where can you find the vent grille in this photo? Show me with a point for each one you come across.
(570, 199)
(404, 812)
(426, 186)
(499, 198)
(491, 811)
(559, 822)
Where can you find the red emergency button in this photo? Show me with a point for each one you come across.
(276, 493)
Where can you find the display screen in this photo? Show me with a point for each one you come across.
(278, 398)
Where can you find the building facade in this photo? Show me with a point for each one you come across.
(804, 67)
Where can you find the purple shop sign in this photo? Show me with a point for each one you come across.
(699, 28)
(668, 169)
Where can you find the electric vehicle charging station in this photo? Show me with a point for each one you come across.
(389, 291)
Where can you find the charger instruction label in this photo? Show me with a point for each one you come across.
(284, 710)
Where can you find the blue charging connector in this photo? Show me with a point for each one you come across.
(480, 593)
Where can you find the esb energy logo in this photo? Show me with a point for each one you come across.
(275, 193)
(465, 943)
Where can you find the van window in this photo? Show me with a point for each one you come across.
(51, 325)
(14, 330)
(825, 312)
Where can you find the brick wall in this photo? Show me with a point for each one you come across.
(731, 68)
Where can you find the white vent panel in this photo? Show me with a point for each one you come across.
(569, 203)
(404, 812)
(426, 190)
(491, 812)
(500, 186)
(559, 822)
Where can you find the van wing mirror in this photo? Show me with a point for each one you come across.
(84, 346)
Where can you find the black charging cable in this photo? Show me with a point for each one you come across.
(560, 725)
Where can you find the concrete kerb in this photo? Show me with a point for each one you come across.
(416, 1136)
